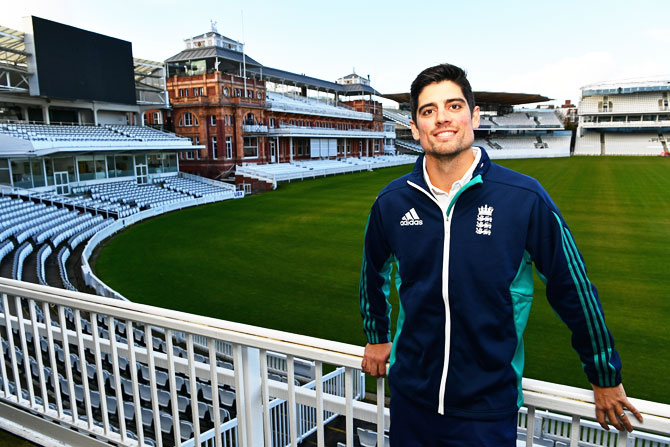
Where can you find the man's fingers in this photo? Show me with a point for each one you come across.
(375, 369)
(626, 421)
(379, 369)
(375, 358)
(614, 419)
(600, 417)
(634, 410)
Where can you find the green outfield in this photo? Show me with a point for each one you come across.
(290, 260)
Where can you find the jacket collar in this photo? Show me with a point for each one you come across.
(416, 176)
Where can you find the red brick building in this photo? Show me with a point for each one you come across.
(238, 111)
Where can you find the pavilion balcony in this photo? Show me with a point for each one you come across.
(253, 129)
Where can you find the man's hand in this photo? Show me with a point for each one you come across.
(375, 358)
(611, 403)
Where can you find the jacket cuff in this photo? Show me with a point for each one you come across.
(375, 338)
(595, 379)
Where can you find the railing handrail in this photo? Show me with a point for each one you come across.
(327, 351)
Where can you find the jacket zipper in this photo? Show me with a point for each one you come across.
(445, 279)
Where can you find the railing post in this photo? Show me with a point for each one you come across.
(574, 431)
(622, 439)
(530, 426)
(252, 396)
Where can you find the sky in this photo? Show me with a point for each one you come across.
(547, 48)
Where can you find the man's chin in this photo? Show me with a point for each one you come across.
(445, 152)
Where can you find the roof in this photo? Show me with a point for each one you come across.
(484, 98)
(274, 75)
(211, 33)
(211, 52)
(354, 89)
(12, 46)
(627, 86)
(19, 147)
(145, 67)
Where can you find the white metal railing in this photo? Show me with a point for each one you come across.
(294, 104)
(547, 405)
(208, 181)
(627, 124)
(102, 353)
(287, 130)
(114, 372)
(254, 128)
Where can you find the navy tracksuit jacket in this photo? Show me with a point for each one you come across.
(465, 285)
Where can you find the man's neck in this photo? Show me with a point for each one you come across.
(444, 170)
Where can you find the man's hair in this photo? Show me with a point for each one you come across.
(439, 73)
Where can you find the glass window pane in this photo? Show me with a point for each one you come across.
(38, 175)
(124, 165)
(21, 173)
(86, 167)
(111, 168)
(154, 163)
(250, 147)
(100, 167)
(50, 172)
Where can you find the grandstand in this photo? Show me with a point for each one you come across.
(629, 117)
(523, 133)
(75, 165)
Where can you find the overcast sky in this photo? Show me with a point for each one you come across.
(549, 48)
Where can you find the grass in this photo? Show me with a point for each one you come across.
(290, 260)
(8, 439)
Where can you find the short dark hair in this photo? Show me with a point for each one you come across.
(439, 73)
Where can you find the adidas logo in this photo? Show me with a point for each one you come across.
(410, 218)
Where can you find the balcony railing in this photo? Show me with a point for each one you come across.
(287, 130)
(628, 124)
(87, 370)
(254, 128)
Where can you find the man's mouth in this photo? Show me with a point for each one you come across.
(444, 133)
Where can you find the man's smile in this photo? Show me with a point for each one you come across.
(444, 133)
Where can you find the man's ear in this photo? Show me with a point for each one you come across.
(475, 118)
(415, 130)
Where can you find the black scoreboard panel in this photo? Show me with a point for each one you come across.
(76, 64)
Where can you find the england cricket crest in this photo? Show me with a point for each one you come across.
(484, 220)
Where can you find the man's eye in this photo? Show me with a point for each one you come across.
(426, 112)
(456, 106)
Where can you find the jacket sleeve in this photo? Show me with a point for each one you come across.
(375, 281)
(561, 267)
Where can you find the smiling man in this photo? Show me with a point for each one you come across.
(464, 234)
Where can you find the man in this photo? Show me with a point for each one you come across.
(463, 233)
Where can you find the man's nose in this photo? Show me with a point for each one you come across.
(443, 115)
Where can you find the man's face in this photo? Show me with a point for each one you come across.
(444, 122)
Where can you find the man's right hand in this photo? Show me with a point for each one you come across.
(375, 358)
